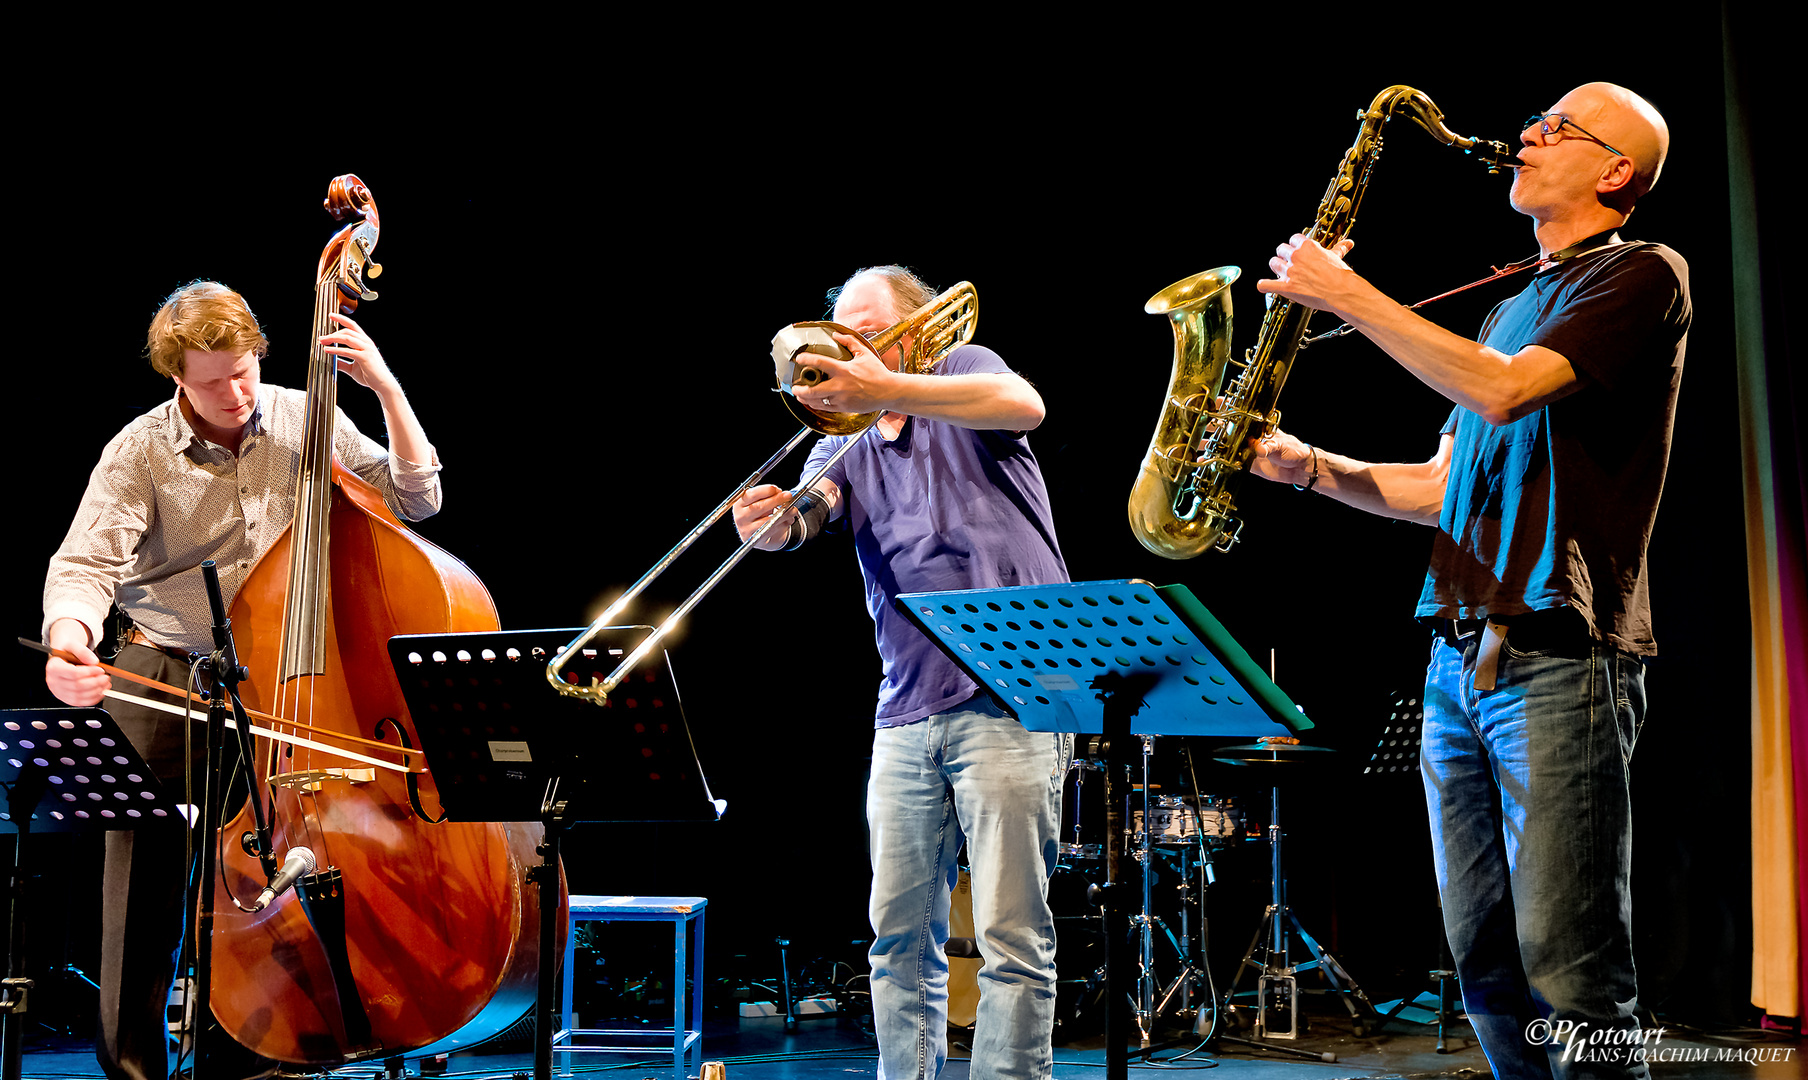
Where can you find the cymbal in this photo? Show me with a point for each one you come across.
(1280, 747)
(1254, 753)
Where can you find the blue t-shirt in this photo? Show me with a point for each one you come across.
(1555, 509)
(939, 507)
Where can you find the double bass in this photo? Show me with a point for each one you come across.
(410, 935)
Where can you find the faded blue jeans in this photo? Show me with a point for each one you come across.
(969, 772)
(1528, 786)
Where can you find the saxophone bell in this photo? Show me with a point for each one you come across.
(1178, 507)
(1184, 498)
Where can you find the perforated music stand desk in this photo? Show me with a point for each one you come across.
(1050, 656)
(495, 733)
(503, 745)
(64, 770)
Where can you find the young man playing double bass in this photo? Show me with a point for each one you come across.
(209, 474)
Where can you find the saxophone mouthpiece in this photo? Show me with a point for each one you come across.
(1495, 155)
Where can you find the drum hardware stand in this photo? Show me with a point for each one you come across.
(784, 974)
(788, 1002)
(1277, 981)
(1148, 1008)
(1191, 973)
(1153, 999)
(1080, 767)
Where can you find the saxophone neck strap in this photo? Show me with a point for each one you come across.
(1540, 262)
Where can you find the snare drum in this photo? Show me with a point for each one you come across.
(1177, 819)
(1220, 818)
(1069, 854)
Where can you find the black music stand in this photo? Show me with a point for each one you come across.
(504, 745)
(1111, 658)
(62, 770)
(1394, 760)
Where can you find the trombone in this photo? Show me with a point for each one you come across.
(934, 330)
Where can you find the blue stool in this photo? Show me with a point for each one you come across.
(680, 911)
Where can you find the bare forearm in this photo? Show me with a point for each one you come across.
(1407, 492)
(407, 439)
(1404, 491)
(1497, 386)
(983, 401)
(66, 633)
(758, 504)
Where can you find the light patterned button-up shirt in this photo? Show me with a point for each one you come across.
(163, 500)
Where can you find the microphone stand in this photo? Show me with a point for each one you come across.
(224, 675)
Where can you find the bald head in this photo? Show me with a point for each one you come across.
(1620, 117)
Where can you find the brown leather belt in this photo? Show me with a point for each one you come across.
(1532, 630)
(135, 636)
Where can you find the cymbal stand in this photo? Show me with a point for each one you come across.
(1193, 972)
(1149, 988)
(1277, 983)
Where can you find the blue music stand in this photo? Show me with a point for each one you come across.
(1049, 655)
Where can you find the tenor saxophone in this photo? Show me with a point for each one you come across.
(1184, 499)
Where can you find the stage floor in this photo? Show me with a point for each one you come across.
(824, 1047)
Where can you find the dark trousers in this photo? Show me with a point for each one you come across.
(143, 884)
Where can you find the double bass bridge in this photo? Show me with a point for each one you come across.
(315, 779)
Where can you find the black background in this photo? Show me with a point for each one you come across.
(588, 245)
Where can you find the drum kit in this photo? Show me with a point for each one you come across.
(1175, 841)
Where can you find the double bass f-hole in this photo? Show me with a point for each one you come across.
(414, 786)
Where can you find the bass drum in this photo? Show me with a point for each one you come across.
(1079, 956)
(1080, 950)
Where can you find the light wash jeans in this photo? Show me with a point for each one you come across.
(1529, 792)
(976, 773)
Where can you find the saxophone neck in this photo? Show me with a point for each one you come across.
(1425, 113)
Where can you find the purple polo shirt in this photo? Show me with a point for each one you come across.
(939, 507)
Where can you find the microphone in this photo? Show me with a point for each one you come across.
(299, 864)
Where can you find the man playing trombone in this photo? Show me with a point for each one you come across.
(941, 493)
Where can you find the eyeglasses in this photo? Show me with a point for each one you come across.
(1551, 125)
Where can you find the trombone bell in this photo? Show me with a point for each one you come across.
(807, 339)
(935, 328)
